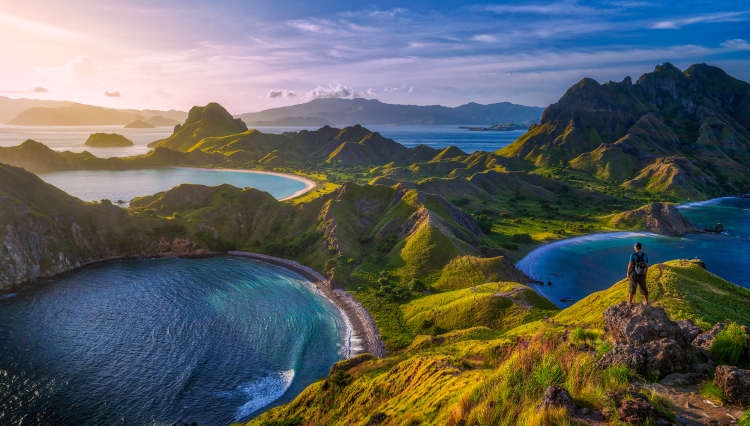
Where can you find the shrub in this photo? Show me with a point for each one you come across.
(522, 239)
(341, 379)
(417, 285)
(730, 345)
(330, 264)
(580, 335)
(458, 202)
(297, 421)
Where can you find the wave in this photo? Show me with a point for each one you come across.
(262, 392)
(710, 202)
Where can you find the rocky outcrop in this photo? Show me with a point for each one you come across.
(659, 218)
(636, 408)
(735, 383)
(557, 396)
(689, 329)
(627, 355)
(706, 340)
(638, 325)
(664, 357)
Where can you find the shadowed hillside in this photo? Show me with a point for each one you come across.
(686, 134)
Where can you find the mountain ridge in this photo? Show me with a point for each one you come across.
(374, 112)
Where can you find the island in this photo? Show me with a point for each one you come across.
(139, 124)
(107, 140)
(507, 127)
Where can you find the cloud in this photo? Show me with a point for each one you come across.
(114, 94)
(565, 7)
(736, 44)
(632, 4)
(484, 38)
(286, 94)
(39, 90)
(372, 92)
(698, 19)
(402, 88)
(337, 91)
(387, 14)
(319, 26)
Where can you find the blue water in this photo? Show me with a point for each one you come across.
(583, 266)
(437, 137)
(72, 138)
(94, 185)
(159, 341)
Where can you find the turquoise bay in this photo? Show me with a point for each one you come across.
(581, 266)
(154, 342)
(95, 185)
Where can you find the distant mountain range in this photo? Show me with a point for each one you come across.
(34, 112)
(372, 111)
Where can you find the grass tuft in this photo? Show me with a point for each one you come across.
(730, 345)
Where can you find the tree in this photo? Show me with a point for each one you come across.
(416, 285)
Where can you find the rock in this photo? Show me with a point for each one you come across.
(633, 358)
(377, 419)
(689, 329)
(706, 340)
(584, 411)
(598, 415)
(702, 370)
(664, 357)
(678, 380)
(556, 396)
(637, 325)
(461, 422)
(735, 383)
(637, 409)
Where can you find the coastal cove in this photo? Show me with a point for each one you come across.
(161, 316)
(95, 185)
(583, 265)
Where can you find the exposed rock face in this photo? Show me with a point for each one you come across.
(632, 357)
(665, 357)
(637, 325)
(659, 218)
(377, 418)
(689, 329)
(735, 383)
(557, 396)
(706, 340)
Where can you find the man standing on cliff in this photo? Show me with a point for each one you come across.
(637, 269)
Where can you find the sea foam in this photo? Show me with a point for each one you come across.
(263, 392)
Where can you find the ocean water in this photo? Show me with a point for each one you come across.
(582, 266)
(72, 138)
(114, 185)
(437, 137)
(154, 342)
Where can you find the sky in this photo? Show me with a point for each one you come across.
(251, 55)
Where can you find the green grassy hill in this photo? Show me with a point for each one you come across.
(684, 134)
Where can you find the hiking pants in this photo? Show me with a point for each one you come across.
(638, 280)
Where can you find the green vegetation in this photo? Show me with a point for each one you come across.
(107, 140)
(682, 287)
(730, 345)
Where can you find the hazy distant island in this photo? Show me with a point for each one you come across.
(372, 111)
(107, 140)
(507, 127)
(292, 121)
(25, 112)
(139, 124)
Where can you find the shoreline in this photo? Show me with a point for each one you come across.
(362, 335)
(362, 325)
(309, 183)
(527, 263)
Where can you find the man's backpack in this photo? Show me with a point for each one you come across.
(640, 263)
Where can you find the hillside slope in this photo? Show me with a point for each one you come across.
(682, 133)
